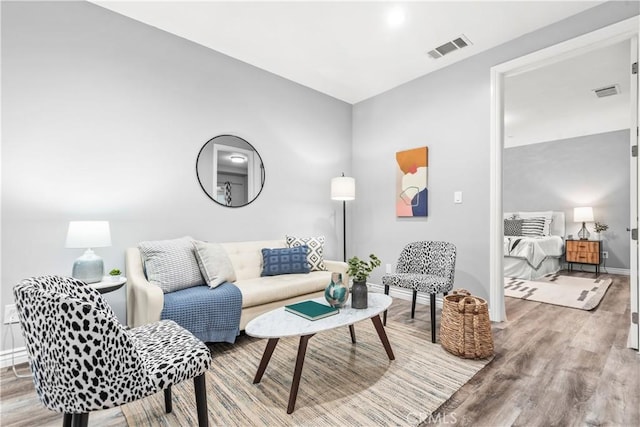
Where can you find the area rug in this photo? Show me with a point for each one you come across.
(567, 291)
(342, 384)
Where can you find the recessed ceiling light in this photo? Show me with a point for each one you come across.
(396, 17)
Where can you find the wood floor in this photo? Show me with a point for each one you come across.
(553, 366)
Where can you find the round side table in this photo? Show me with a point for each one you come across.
(108, 284)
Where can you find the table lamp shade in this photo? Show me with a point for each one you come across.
(88, 234)
(583, 215)
(343, 188)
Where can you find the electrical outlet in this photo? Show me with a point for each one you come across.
(10, 314)
(605, 254)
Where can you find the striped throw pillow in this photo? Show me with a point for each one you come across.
(533, 226)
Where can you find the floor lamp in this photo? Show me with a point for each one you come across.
(343, 188)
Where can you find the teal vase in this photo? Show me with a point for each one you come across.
(336, 293)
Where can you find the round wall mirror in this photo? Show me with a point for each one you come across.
(230, 171)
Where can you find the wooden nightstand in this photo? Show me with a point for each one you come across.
(583, 252)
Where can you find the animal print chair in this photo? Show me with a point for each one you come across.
(84, 360)
(424, 267)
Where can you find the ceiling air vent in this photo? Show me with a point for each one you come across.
(607, 91)
(449, 47)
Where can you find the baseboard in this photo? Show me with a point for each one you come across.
(603, 269)
(613, 270)
(19, 356)
(405, 294)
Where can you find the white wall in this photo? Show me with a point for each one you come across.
(103, 118)
(448, 111)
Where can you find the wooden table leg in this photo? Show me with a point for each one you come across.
(352, 331)
(302, 350)
(383, 336)
(266, 356)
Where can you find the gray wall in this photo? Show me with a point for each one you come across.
(449, 112)
(103, 118)
(585, 171)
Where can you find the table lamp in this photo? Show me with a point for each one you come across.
(88, 234)
(343, 188)
(583, 215)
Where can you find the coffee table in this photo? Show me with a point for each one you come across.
(279, 323)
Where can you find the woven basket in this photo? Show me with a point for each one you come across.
(465, 328)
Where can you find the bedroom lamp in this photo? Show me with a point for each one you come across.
(583, 215)
(343, 188)
(88, 234)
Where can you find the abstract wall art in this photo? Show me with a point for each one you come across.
(411, 182)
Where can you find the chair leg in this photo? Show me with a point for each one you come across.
(432, 309)
(80, 420)
(201, 400)
(167, 400)
(413, 304)
(384, 315)
(66, 421)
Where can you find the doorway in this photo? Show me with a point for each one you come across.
(625, 30)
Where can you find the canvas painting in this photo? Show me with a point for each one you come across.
(411, 182)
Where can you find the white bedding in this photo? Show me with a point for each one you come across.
(533, 249)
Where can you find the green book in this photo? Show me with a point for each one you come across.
(311, 310)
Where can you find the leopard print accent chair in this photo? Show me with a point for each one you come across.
(424, 266)
(84, 360)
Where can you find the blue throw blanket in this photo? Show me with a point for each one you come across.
(212, 315)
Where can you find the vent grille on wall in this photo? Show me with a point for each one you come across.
(449, 47)
(607, 91)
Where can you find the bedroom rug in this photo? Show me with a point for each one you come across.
(342, 384)
(568, 291)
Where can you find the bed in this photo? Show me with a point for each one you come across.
(536, 248)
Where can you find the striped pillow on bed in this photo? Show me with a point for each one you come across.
(533, 226)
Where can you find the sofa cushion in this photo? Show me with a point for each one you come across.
(214, 263)
(246, 257)
(171, 264)
(315, 257)
(284, 261)
(267, 289)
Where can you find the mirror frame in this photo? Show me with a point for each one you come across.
(262, 177)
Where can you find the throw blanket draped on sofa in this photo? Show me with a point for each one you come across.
(212, 315)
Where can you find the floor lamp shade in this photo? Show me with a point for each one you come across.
(343, 188)
(583, 215)
(88, 234)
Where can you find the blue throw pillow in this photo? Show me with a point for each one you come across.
(285, 261)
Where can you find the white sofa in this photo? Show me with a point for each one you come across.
(259, 294)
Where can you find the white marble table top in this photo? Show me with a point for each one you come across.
(108, 284)
(279, 323)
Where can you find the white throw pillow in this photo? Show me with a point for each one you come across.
(215, 264)
(315, 256)
(171, 264)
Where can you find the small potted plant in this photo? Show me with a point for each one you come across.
(360, 270)
(114, 275)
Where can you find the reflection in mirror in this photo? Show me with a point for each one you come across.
(230, 171)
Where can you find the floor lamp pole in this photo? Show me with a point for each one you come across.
(344, 231)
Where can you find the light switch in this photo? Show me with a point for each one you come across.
(457, 197)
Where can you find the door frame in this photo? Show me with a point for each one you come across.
(612, 34)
